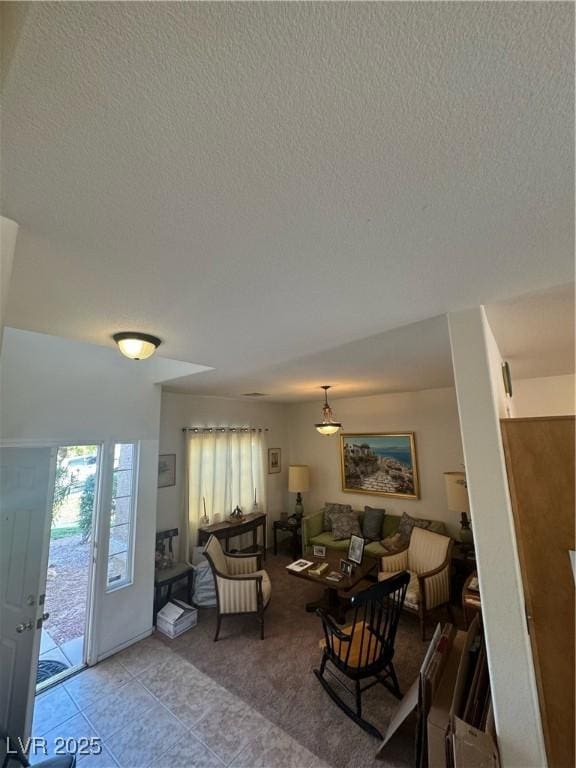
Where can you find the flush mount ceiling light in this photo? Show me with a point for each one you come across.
(136, 346)
(328, 426)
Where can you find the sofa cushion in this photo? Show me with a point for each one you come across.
(329, 508)
(374, 549)
(326, 539)
(344, 525)
(372, 521)
(390, 525)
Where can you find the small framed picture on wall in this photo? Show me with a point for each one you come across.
(166, 470)
(274, 460)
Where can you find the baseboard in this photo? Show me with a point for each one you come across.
(125, 645)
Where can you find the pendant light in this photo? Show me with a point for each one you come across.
(136, 346)
(327, 426)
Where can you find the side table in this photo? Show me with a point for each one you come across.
(471, 603)
(462, 567)
(169, 576)
(295, 529)
(227, 530)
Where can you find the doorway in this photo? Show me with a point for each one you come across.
(63, 643)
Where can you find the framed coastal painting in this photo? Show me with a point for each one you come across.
(381, 464)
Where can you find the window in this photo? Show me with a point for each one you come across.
(122, 508)
(225, 468)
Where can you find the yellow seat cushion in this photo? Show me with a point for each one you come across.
(370, 648)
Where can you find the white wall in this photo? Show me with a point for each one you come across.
(544, 396)
(433, 416)
(181, 410)
(479, 388)
(56, 390)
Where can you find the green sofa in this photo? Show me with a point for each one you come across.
(312, 533)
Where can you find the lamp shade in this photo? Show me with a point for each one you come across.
(136, 346)
(298, 478)
(328, 429)
(456, 491)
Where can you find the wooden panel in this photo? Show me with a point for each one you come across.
(540, 461)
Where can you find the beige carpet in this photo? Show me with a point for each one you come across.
(275, 675)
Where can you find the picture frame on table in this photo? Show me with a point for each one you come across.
(346, 567)
(274, 460)
(356, 549)
(166, 470)
(319, 550)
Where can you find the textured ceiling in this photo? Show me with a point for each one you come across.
(259, 182)
(536, 333)
(413, 357)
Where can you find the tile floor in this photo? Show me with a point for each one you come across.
(148, 707)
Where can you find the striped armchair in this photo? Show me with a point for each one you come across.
(427, 558)
(241, 585)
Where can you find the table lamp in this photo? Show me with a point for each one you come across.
(298, 483)
(457, 495)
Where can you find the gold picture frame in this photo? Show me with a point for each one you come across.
(379, 464)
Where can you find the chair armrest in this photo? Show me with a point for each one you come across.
(395, 561)
(434, 571)
(330, 626)
(238, 564)
(311, 526)
(239, 594)
(435, 586)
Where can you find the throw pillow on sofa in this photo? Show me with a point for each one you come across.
(393, 543)
(406, 525)
(372, 523)
(329, 508)
(344, 524)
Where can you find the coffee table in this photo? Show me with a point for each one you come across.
(336, 593)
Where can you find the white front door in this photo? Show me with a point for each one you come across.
(26, 490)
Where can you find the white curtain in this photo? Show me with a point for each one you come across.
(224, 468)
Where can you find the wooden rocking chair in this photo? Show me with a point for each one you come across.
(365, 648)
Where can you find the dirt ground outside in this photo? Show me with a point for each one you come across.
(67, 588)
